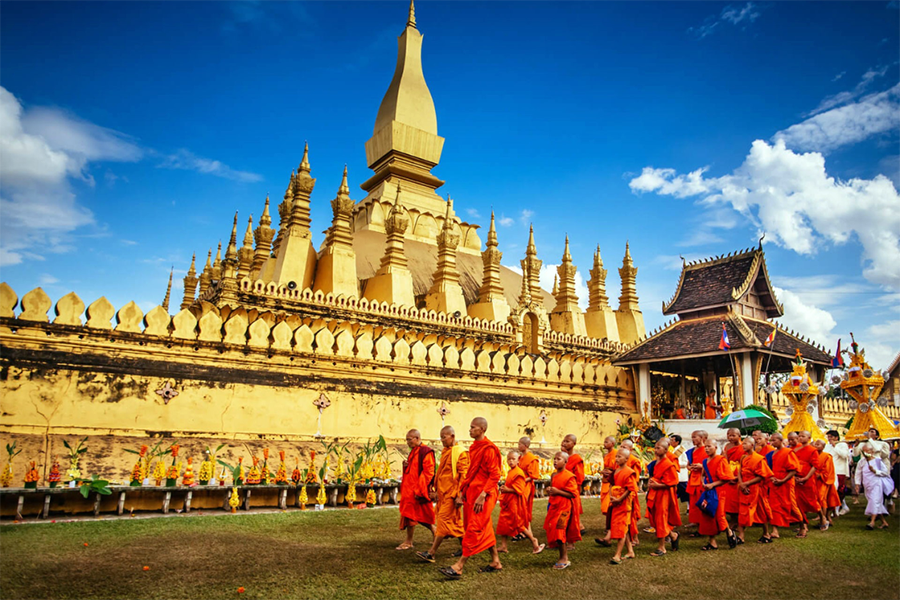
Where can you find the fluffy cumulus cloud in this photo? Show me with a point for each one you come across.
(813, 322)
(791, 198)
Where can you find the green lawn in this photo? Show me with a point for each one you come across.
(350, 554)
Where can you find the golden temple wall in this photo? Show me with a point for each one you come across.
(252, 377)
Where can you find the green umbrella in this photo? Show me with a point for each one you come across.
(742, 419)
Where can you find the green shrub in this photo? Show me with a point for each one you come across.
(767, 427)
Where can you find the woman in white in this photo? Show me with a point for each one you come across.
(875, 478)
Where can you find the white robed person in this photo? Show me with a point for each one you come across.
(874, 475)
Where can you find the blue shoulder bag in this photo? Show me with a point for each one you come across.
(709, 499)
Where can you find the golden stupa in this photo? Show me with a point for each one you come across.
(803, 393)
(864, 384)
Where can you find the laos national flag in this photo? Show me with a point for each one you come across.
(837, 362)
(724, 344)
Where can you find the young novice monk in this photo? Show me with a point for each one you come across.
(513, 508)
(752, 478)
(621, 498)
(562, 523)
(717, 474)
(828, 495)
(662, 504)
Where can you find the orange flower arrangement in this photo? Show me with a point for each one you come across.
(295, 475)
(281, 473)
(188, 478)
(55, 476)
(253, 476)
(311, 472)
(32, 477)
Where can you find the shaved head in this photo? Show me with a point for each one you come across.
(734, 430)
(513, 454)
(447, 429)
(610, 438)
(624, 452)
(480, 422)
(525, 441)
(663, 442)
(572, 437)
(562, 454)
(414, 433)
(777, 436)
(628, 445)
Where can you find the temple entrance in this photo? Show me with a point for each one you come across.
(530, 330)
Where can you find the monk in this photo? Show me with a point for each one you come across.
(477, 496)
(751, 486)
(793, 440)
(662, 503)
(415, 488)
(623, 491)
(828, 495)
(782, 500)
(576, 467)
(531, 466)
(696, 456)
(761, 439)
(733, 452)
(716, 474)
(609, 467)
(806, 488)
(513, 496)
(450, 472)
(635, 464)
(709, 411)
(561, 523)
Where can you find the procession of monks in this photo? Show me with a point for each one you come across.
(760, 480)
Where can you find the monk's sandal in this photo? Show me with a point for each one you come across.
(426, 556)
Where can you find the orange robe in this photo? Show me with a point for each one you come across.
(828, 496)
(662, 504)
(728, 493)
(449, 522)
(781, 497)
(754, 507)
(561, 523)
(721, 471)
(575, 465)
(695, 483)
(415, 492)
(512, 504)
(620, 515)
(531, 467)
(635, 464)
(609, 462)
(679, 414)
(710, 410)
(807, 493)
(483, 476)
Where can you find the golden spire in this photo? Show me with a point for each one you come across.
(165, 302)
(248, 234)
(411, 21)
(566, 255)
(531, 249)
(245, 254)
(492, 233)
(341, 209)
(597, 298)
(565, 294)
(304, 162)
(628, 273)
(231, 251)
(265, 220)
(344, 190)
(555, 285)
(532, 267)
(217, 264)
(263, 235)
(190, 286)
(491, 290)
(206, 274)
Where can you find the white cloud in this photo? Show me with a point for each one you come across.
(734, 14)
(881, 343)
(846, 96)
(809, 320)
(47, 279)
(525, 216)
(839, 76)
(187, 160)
(871, 115)
(473, 213)
(793, 199)
(505, 221)
(549, 272)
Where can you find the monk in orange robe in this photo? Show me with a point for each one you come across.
(477, 496)
(624, 489)
(782, 500)
(416, 487)
(761, 439)
(561, 523)
(609, 467)
(828, 495)
(709, 411)
(662, 503)
(728, 492)
(635, 464)
(716, 474)
(513, 510)
(696, 456)
(752, 478)
(576, 467)
(450, 473)
(806, 487)
(531, 466)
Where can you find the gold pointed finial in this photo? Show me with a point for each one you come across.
(191, 272)
(248, 235)
(265, 220)
(218, 254)
(598, 260)
(304, 164)
(165, 302)
(492, 232)
(208, 260)
(555, 284)
(531, 248)
(566, 254)
(344, 189)
(411, 21)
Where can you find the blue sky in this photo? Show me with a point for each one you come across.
(132, 131)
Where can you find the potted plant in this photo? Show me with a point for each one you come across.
(7, 476)
(54, 477)
(208, 466)
(174, 469)
(74, 473)
(32, 477)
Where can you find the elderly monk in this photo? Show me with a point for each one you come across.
(561, 523)
(450, 472)
(728, 493)
(662, 503)
(477, 496)
(806, 488)
(415, 488)
(782, 500)
(621, 495)
(716, 474)
(575, 465)
(696, 456)
(828, 496)
(752, 478)
(531, 466)
(513, 496)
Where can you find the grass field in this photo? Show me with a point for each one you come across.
(350, 554)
